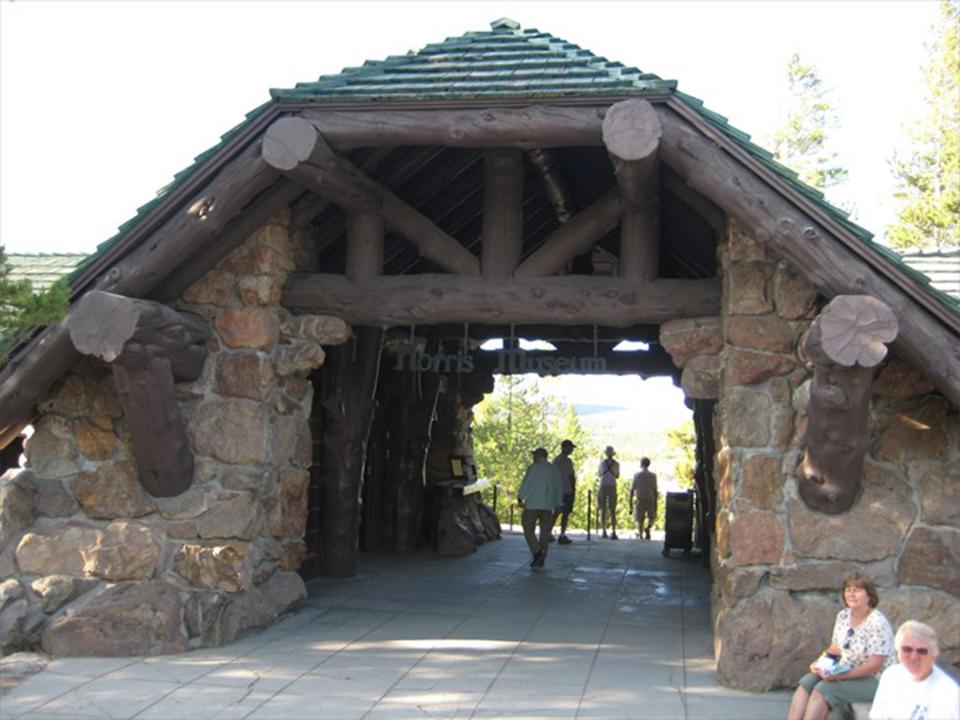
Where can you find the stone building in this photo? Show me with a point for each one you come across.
(269, 368)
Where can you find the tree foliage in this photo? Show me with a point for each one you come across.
(513, 420)
(928, 173)
(22, 310)
(801, 141)
(682, 442)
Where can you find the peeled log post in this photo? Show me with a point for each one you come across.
(573, 238)
(293, 146)
(631, 132)
(502, 236)
(564, 300)
(364, 246)
(413, 404)
(350, 381)
(845, 343)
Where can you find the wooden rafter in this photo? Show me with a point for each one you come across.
(294, 147)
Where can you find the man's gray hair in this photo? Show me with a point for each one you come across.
(921, 630)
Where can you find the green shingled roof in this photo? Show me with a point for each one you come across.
(42, 270)
(506, 62)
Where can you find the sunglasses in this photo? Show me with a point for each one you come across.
(846, 645)
(906, 650)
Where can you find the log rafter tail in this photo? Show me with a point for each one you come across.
(294, 147)
(631, 132)
(845, 343)
(146, 344)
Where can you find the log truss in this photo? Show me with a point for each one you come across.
(260, 173)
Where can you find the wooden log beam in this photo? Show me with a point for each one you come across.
(393, 300)
(209, 254)
(573, 238)
(631, 132)
(200, 219)
(502, 236)
(294, 147)
(105, 326)
(845, 343)
(535, 126)
(791, 235)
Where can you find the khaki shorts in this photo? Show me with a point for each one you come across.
(607, 497)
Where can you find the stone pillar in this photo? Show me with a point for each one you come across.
(778, 566)
(85, 551)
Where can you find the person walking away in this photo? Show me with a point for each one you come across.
(643, 497)
(607, 495)
(540, 495)
(916, 688)
(568, 486)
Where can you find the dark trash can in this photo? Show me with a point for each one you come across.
(678, 522)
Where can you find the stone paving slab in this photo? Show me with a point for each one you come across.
(606, 630)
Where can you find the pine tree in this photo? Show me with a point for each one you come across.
(22, 310)
(800, 143)
(928, 174)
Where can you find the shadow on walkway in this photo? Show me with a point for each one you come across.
(608, 629)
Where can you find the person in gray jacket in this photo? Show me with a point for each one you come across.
(540, 495)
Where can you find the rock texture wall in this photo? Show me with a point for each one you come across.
(778, 565)
(92, 564)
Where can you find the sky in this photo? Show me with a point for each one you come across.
(102, 103)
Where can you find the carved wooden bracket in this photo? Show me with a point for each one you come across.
(148, 346)
(845, 343)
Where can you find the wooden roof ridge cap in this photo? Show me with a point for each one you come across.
(156, 216)
(859, 246)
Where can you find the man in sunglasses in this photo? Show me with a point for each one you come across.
(916, 689)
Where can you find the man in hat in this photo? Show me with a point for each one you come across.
(609, 473)
(540, 496)
(565, 466)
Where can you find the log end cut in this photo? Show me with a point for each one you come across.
(288, 142)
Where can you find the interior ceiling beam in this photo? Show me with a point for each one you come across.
(820, 256)
(295, 148)
(564, 300)
(535, 126)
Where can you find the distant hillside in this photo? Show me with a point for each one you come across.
(583, 410)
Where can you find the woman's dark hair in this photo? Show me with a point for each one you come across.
(865, 584)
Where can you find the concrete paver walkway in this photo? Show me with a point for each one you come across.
(606, 630)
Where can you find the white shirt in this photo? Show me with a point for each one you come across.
(900, 697)
(608, 471)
